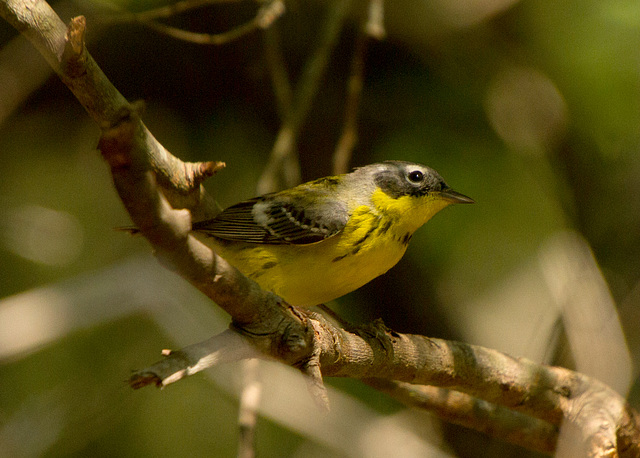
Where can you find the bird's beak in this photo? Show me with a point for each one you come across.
(455, 197)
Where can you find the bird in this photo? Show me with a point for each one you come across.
(323, 239)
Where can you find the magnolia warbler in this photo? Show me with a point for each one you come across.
(323, 239)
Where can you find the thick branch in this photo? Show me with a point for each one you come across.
(552, 394)
(64, 50)
(141, 166)
(124, 146)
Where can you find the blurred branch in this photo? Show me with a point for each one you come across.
(263, 19)
(375, 20)
(373, 28)
(589, 316)
(278, 72)
(588, 311)
(248, 411)
(156, 188)
(285, 144)
(349, 135)
(462, 409)
(265, 16)
(283, 159)
(171, 10)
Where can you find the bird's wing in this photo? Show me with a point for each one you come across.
(279, 219)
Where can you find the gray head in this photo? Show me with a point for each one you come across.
(402, 178)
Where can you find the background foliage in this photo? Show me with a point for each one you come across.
(530, 107)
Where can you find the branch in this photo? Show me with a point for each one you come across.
(265, 16)
(557, 396)
(278, 72)
(462, 409)
(375, 20)
(171, 10)
(282, 154)
(225, 347)
(152, 183)
(248, 410)
(373, 28)
(349, 136)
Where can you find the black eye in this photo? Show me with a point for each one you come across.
(416, 176)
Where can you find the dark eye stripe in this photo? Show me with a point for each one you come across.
(400, 179)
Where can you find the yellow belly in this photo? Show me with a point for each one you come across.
(307, 275)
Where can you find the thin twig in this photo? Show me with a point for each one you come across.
(170, 10)
(265, 16)
(278, 72)
(282, 154)
(349, 136)
(203, 38)
(373, 28)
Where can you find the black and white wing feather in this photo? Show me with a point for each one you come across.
(279, 219)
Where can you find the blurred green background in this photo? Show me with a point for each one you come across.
(530, 107)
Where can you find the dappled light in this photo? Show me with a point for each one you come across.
(526, 110)
(42, 235)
